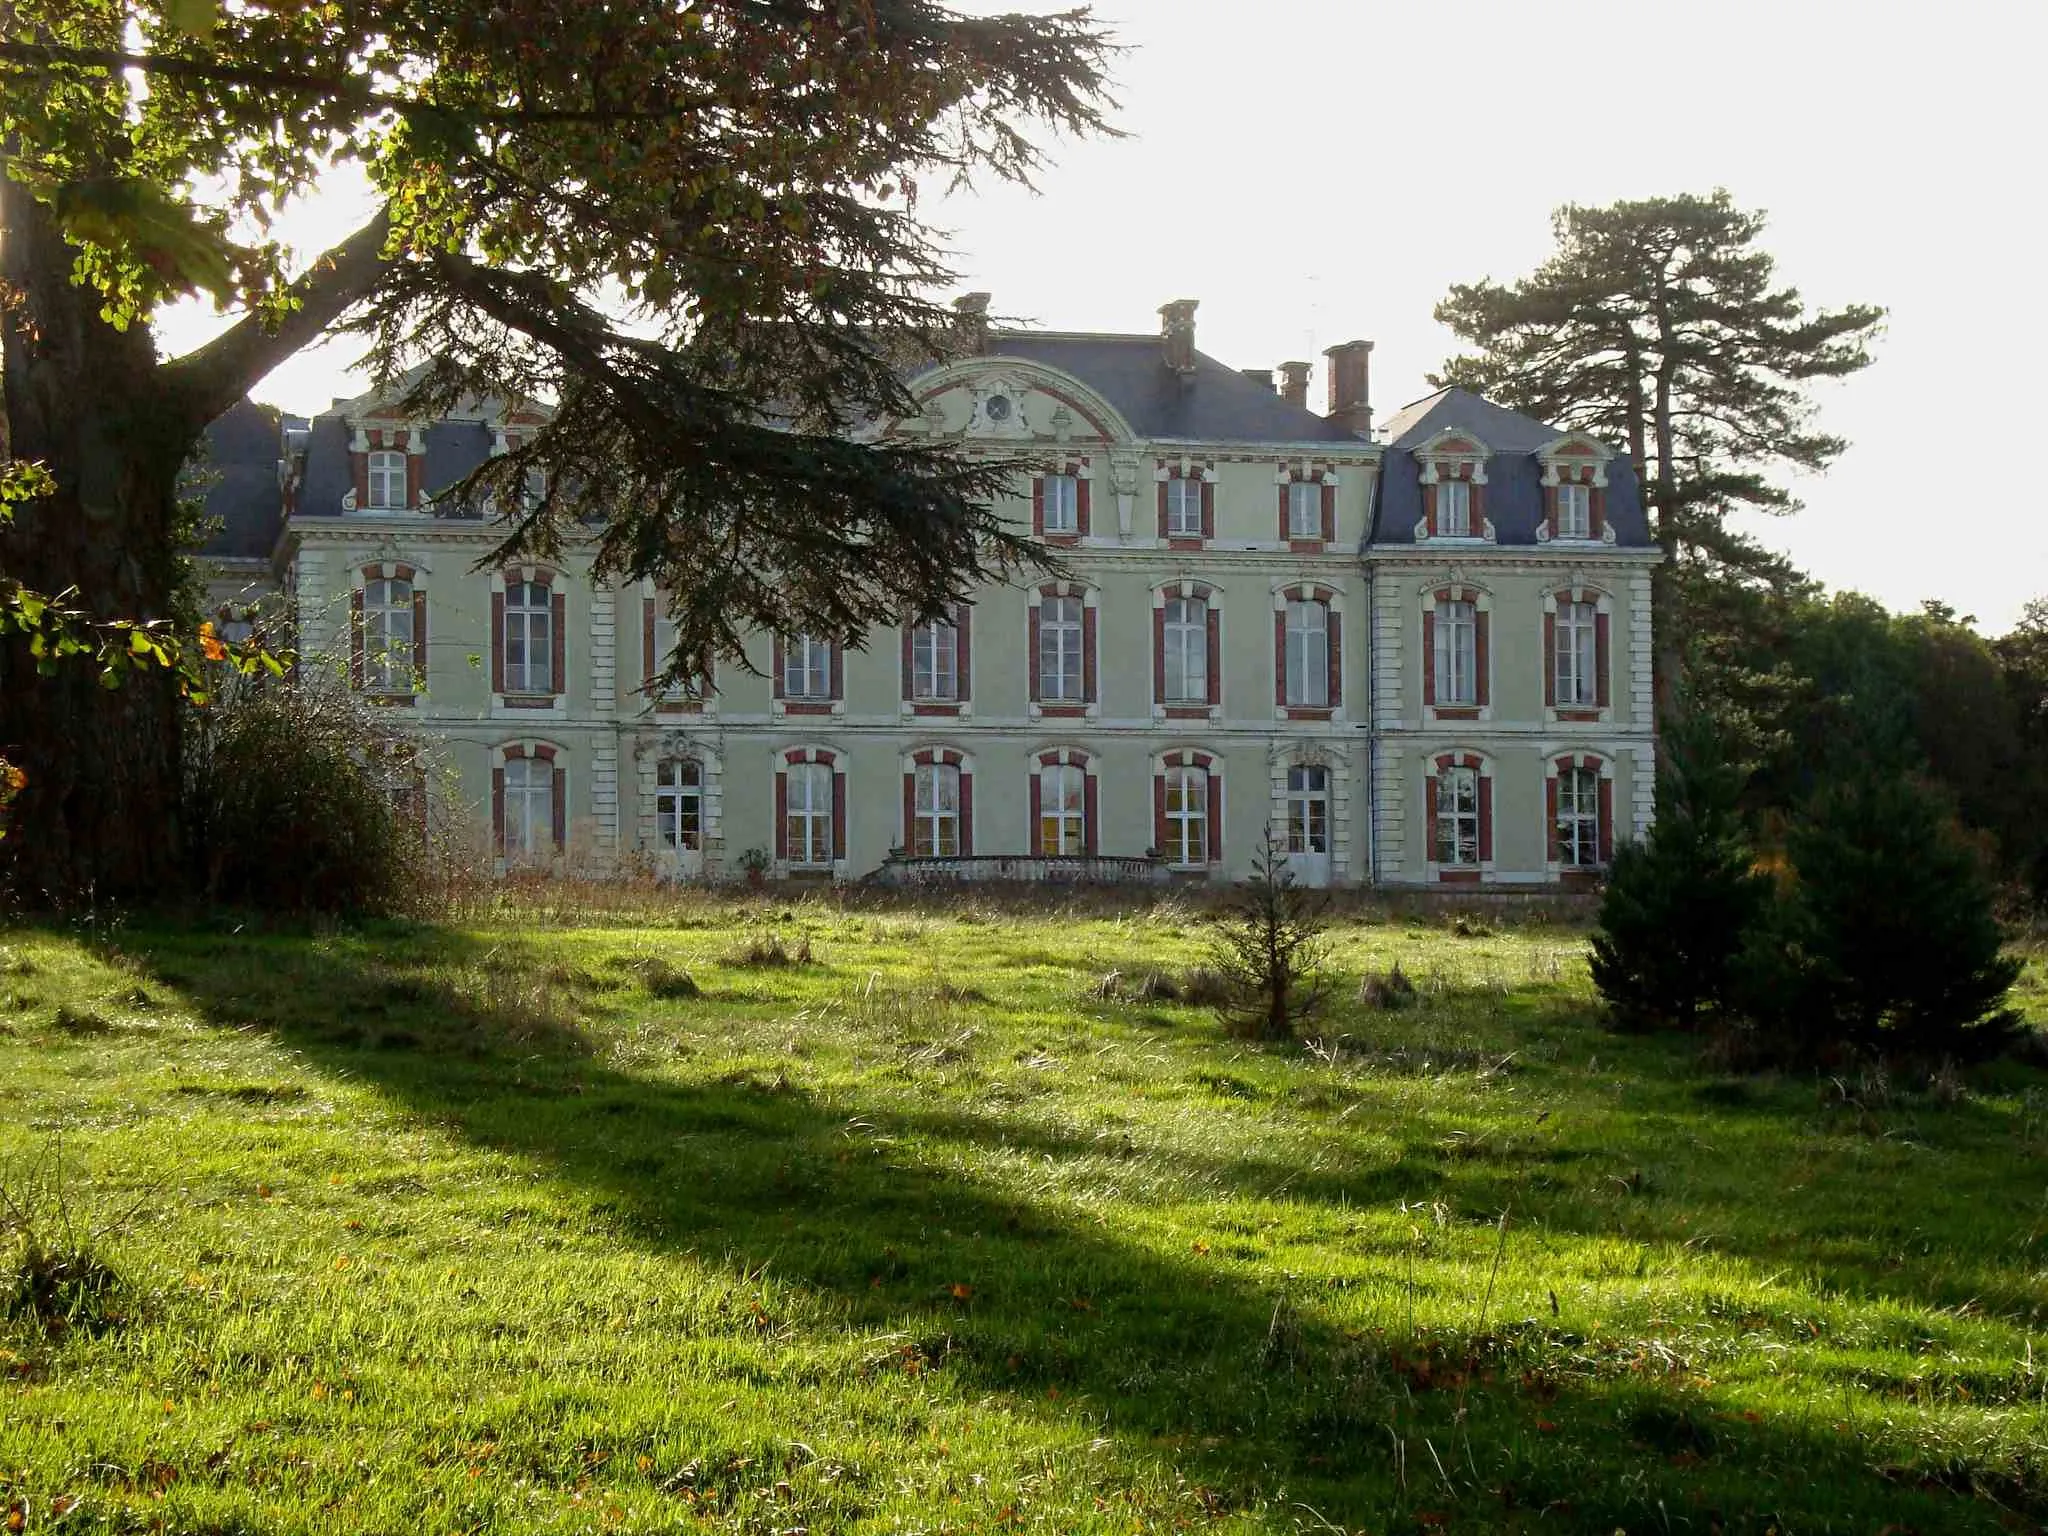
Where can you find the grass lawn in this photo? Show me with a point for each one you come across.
(450, 1230)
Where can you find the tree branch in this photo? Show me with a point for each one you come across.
(207, 381)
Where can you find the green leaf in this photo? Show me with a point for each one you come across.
(195, 18)
(142, 220)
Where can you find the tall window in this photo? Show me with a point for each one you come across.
(1454, 509)
(1308, 654)
(1062, 810)
(1060, 671)
(935, 663)
(387, 480)
(809, 813)
(1184, 633)
(529, 638)
(387, 636)
(1457, 653)
(1304, 510)
(1575, 511)
(529, 829)
(1183, 509)
(806, 668)
(679, 804)
(1576, 656)
(1062, 502)
(1457, 817)
(1187, 816)
(935, 828)
(664, 648)
(1308, 810)
(1578, 817)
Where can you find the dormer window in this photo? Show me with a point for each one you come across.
(1575, 511)
(1454, 510)
(1574, 489)
(1062, 503)
(387, 481)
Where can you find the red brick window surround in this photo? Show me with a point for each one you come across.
(937, 662)
(1578, 799)
(1062, 643)
(530, 803)
(686, 696)
(388, 632)
(1307, 509)
(1574, 490)
(938, 804)
(1062, 795)
(810, 808)
(1453, 487)
(1456, 645)
(387, 466)
(529, 637)
(1308, 652)
(808, 673)
(1187, 651)
(1187, 503)
(1060, 503)
(1577, 654)
(1187, 809)
(1458, 792)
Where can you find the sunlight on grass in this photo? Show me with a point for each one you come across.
(512, 1227)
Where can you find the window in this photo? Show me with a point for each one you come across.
(935, 663)
(386, 481)
(1308, 810)
(529, 830)
(1060, 671)
(1184, 509)
(1062, 503)
(1454, 509)
(935, 824)
(387, 636)
(1576, 655)
(529, 638)
(1457, 653)
(1575, 511)
(806, 668)
(1062, 810)
(1578, 817)
(1184, 638)
(1187, 816)
(1308, 654)
(661, 648)
(807, 825)
(679, 805)
(1457, 817)
(1304, 510)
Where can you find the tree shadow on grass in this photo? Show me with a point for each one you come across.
(1246, 1390)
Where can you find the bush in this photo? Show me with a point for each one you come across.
(1679, 907)
(301, 799)
(1268, 952)
(1888, 935)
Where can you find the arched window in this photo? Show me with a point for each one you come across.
(388, 635)
(1460, 810)
(1187, 809)
(1456, 680)
(679, 804)
(810, 808)
(935, 663)
(529, 642)
(1062, 797)
(1581, 804)
(806, 668)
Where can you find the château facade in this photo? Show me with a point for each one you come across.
(1420, 654)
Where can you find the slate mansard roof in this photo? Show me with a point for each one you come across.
(239, 472)
(1514, 475)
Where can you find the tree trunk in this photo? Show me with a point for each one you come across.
(98, 816)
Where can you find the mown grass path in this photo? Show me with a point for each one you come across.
(489, 1229)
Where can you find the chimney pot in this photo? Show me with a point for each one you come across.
(970, 313)
(1351, 386)
(1294, 383)
(1177, 335)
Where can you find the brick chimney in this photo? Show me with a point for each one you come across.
(1263, 377)
(970, 322)
(1177, 336)
(1351, 386)
(1294, 383)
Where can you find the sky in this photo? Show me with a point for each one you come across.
(1318, 170)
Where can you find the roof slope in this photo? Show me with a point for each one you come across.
(239, 472)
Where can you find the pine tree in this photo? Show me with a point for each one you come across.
(1678, 906)
(1270, 949)
(741, 180)
(1891, 919)
(1660, 324)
